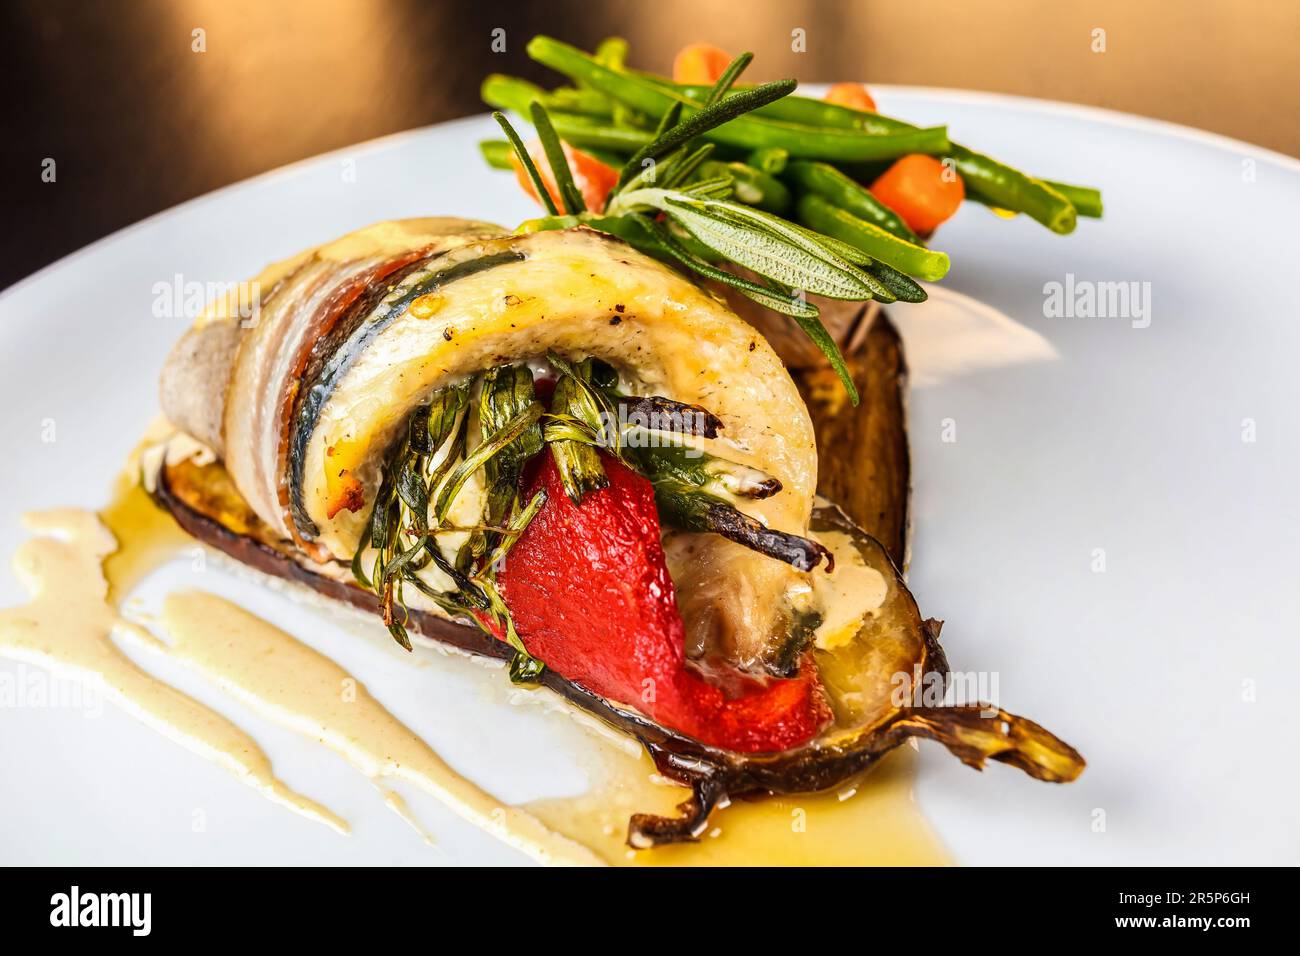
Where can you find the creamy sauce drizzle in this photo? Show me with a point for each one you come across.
(77, 577)
(293, 685)
(397, 803)
(69, 627)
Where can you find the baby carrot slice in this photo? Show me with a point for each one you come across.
(700, 64)
(593, 178)
(921, 189)
(852, 95)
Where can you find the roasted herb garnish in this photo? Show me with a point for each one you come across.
(786, 196)
(421, 479)
(439, 454)
(703, 226)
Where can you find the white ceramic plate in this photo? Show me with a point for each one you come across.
(1159, 444)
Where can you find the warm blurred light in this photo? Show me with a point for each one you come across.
(141, 123)
(282, 81)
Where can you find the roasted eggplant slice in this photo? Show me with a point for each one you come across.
(871, 482)
(451, 443)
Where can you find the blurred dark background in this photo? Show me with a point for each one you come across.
(137, 121)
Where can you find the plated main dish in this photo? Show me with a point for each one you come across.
(649, 448)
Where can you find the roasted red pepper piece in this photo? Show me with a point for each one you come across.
(590, 595)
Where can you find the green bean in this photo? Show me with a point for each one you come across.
(497, 153)
(865, 173)
(624, 116)
(809, 112)
(591, 135)
(1085, 199)
(518, 96)
(832, 185)
(569, 100)
(612, 52)
(985, 177)
(989, 181)
(746, 132)
(816, 213)
(771, 159)
(1009, 188)
(510, 93)
(749, 185)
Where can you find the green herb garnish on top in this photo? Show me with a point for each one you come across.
(702, 177)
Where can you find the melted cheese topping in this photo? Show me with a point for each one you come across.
(847, 595)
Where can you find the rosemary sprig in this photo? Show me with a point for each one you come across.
(432, 463)
(795, 261)
(759, 241)
(670, 205)
(728, 78)
(529, 166)
(792, 305)
(711, 117)
(612, 52)
(555, 158)
(576, 427)
(682, 170)
(424, 474)
(505, 392)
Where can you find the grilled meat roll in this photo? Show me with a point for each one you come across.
(552, 449)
